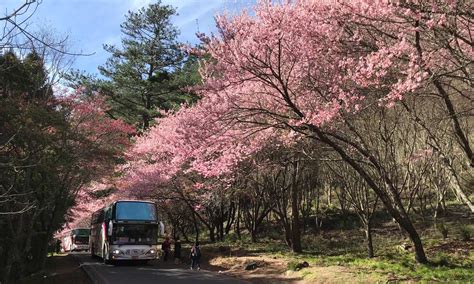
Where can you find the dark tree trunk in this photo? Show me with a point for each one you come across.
(458, 131)
(183, 233)
(212, 236)
(295, 220)
(395, 210)
(148, 106)
(221, 231)
(288, 234)
(316, 219)
(196, 227)
(407, 225)
(237, 222)
(253, 236)
(43, 252)
(231, 219)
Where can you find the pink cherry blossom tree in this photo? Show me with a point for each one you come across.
(277, 74)
(312, 69)
(101, 141)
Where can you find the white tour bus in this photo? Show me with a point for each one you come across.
(125, 230)
(75, 240)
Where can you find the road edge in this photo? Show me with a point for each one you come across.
(90, 271)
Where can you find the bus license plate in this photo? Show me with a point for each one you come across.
(134, 257)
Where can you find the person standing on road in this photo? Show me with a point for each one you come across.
(177, 250)
(166, 247)
(195, 256)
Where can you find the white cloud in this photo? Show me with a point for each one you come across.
(137, 4)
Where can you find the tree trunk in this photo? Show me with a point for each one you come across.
(288, 239)
(12, 254)
(148, 106)
(231, 219)
(456, 186)
(196, 227)
(329, 193)
(183, 233)
(464, 143)
(212, 236)
(221, 231)
(253, 235)
(368, 234)
(317, 222)
(462, 138)
(407, 225)
(174, 232)
(398, 214)
(237, 223)
(8, 265)
(295, 220)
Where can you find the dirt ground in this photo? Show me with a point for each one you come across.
(272, 270)
(59, 269)
(268, 270)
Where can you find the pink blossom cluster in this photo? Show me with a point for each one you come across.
(86, 204)
(194, 139)
(286, 67)
(107, 137)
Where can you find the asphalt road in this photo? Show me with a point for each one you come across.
(151, 273)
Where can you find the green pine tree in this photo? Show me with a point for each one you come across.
(145, 75)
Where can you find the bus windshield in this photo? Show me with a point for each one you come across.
(80, 232)
(135, 234)
(131, 210)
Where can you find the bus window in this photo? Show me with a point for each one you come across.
(81, 232)
(135, 234)
(129, 210)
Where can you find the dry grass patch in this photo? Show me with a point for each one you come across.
(269, 269)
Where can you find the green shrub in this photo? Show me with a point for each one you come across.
(296, 265)
(465, 233)
(292, 265)
(231, 238)
(442, 261)
(442, 229)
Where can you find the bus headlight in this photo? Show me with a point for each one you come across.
(116, 252)
(152, 251)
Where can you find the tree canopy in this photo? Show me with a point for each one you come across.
(148, 72)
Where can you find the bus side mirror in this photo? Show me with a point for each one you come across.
(110, 229)
(162, 228)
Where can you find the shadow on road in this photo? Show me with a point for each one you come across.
(59, 269)
(152, 272)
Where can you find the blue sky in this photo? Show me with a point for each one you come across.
(91, 23)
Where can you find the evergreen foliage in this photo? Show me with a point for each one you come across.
(147, 73)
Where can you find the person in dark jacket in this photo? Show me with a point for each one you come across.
(166, 247)
(195, 256)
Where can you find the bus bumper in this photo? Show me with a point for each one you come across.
(134, 253)
(80, 247)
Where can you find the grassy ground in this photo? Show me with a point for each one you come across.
(339, 256)
(393, 264)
